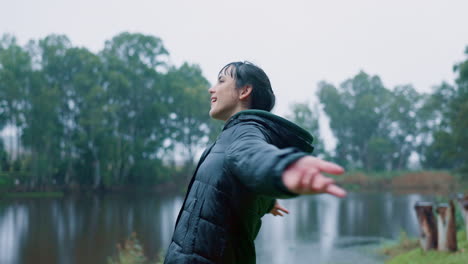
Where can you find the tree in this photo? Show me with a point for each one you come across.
(188, 122)
(101, 120)
(447, 112)
(458, 116)
(3, 157)
(404, 124)
(15, 80)
(42, 130)
(308, 118)
(435, 137)
(357, 118)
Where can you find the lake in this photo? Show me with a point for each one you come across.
(86, 229)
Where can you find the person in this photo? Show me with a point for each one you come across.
(257, 158)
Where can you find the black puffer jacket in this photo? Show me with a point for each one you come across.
(235, 184)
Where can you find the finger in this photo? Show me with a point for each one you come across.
(276, 213)
(320, 182)
(336, 191)
(322, 165)
(329, 167)
(283, 209)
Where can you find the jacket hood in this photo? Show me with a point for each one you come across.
(294, 135)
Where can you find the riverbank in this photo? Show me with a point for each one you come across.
(429, 182)
(10, 187)
(31, 194)
(58, 193)
(408, 251)
(131, 252)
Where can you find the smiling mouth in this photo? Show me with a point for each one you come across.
(213, 100)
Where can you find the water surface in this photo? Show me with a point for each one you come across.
(86, 229)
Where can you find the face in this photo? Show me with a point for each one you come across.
(225, 100)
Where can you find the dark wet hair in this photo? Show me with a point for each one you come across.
(246, 73)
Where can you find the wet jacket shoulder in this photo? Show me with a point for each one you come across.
(234, 185)
(261, 146)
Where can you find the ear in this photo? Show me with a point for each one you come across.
(245, 92)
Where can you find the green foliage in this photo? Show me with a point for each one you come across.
(105, 119)
(418, 256)
(403, 245)
(375, 127)
(378, 129)
(34, 195)
(4, 164)
(125, 116)
(308, 118)
(131, 252)
(192, 113)
(449, 108)
(6, 181)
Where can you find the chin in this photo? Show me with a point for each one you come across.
(216, 115)
(213, 114)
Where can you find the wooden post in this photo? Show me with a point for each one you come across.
(463, 202)
(452, 229)
(442, 224)
(427, 225)
(446, 228)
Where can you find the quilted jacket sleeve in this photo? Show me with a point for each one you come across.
(259, 164)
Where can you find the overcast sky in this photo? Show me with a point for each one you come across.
(297, 42)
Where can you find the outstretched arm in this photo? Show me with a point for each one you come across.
(258, 164)
(280, 173)
(304, 176)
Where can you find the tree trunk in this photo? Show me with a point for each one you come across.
(97, 167)
(125, 170)
(97, 174)
(401, 159)
(68, 174)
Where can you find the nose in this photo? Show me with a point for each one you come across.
(211, 90)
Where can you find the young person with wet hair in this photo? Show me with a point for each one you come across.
(257, 158)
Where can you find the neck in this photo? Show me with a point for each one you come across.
(235, 111)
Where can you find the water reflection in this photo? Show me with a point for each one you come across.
(13, 228)
(82, 229)
(328, 222)
(326, 229)
(320, 228)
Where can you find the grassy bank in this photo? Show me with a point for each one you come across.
(31, 194)
(423, 181)
(12, 185)
(430, 182)
(131, 252)
(426, 181)
(408, 251)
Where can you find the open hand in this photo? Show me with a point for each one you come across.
(305, 177)
(278, 209)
